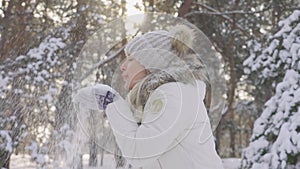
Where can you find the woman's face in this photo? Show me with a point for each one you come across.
(132, 72)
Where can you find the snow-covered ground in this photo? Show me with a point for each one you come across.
(231, 163)
(23, 162)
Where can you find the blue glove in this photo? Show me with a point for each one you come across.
(104, 95)
(95, 97)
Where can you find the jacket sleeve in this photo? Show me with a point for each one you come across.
(168, 114)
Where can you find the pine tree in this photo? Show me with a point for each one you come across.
(275, 142)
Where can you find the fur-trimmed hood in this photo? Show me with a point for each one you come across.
(169, 57)
(187, 71)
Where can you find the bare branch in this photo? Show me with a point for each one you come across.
(216, 12)
(244, 31)
(101, 63)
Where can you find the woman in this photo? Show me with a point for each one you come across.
(163, 123)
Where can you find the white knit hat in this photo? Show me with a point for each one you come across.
(157, 49)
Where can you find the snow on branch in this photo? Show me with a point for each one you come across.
(276, 134)
(8, 144)
(36, 62)
(283, 51)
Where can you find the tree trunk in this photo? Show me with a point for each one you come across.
(233, 81)
(184, 8)
(102, 157)
(15, 38)
(4, 159)
(92, 142)
(64, 103)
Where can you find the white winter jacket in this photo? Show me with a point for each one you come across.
(175, 132)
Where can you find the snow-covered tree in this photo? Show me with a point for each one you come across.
(40, 42)
(27, 92)
(275, 142)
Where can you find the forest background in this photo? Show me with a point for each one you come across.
(258, 40)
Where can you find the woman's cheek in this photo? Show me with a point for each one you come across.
(126, 84)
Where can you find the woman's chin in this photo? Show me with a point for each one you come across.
(127, 87)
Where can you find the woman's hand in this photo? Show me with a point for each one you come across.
(104, 95)
(96, 97)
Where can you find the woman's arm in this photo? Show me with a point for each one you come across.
(169, 112)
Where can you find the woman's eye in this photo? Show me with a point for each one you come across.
(130, 60)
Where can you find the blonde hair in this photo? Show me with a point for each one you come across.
(135, 101)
